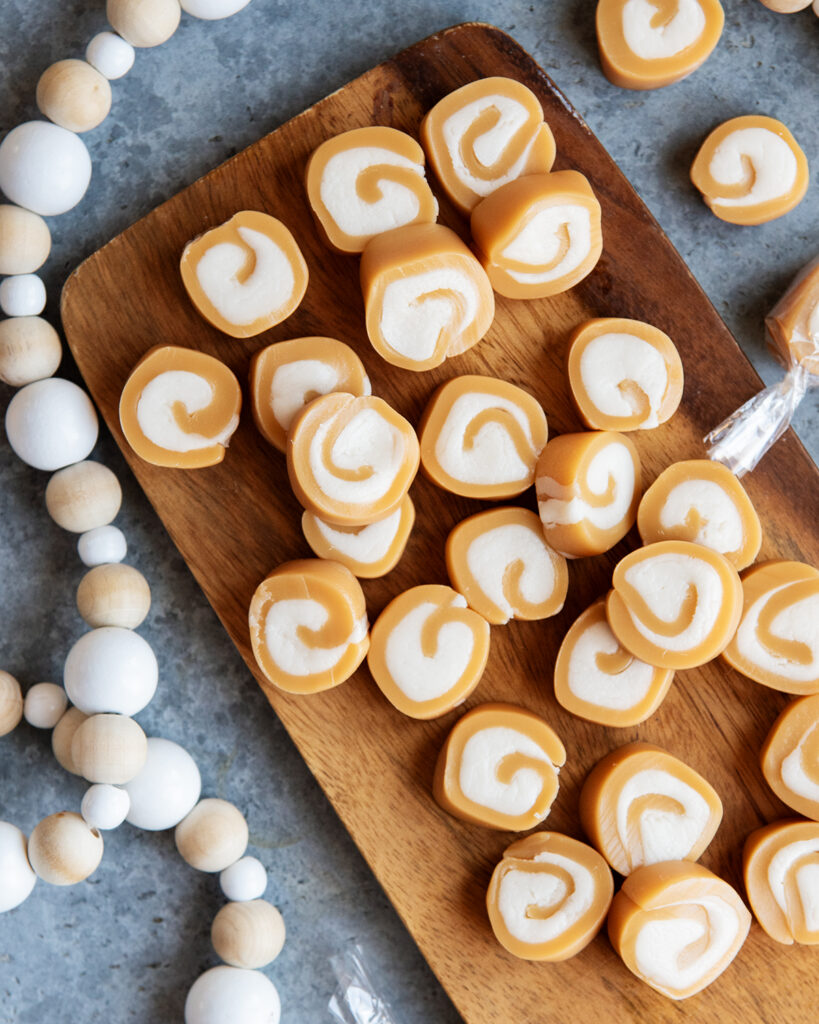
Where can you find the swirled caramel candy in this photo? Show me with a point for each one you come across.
(674, 604)
(677, 926)
(703, 502)
(790, 756)
(484, 135)
(180, 407)
(793, 324)
(597, 679)
(750, 170)
(366, 181)
(308, 625)
(539, 235)
(428, 651)
(246, 275)
(548, 897)
(426, 297)
(781, 870)
(777, 642)
(504, 568)
(481, 437)
(588, 489)
(646, 44)
(286, 375)
(499, 768)
(351, 460)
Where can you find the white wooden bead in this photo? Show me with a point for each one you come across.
(74, 95)
(110, 670)
(17, 877)
(166, 789)
(212, 836)
(102, 546)
(144, 22)
(63, 737)
(83, 496)
(114, 595)
(44, 705)
(51, 423)
(22, 295)
(248, 934)
(232, 994)
(110, 54)
(11, 703)
(244, 880)
(44, 168)
(63, 849)
(213, 10)
(25, 240)
(30, 350)
(104, 807)
(109, 748)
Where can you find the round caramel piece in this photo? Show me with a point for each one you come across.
(793, 324)
(790, 756)
(781, 872)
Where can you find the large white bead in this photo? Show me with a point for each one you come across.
(245, 880)
(17, 876)
(103, 546)
(110, 670)
(44, 167)
(232, 994)
(167, 788)
(110, 54)
(22, 295)
(213, 10)
(104, 806)
(51, 423)
(45, 705)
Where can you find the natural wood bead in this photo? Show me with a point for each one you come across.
(249, 934)
(109, 748)
(144, 22)
(30, 350)
(63, 737)
(63, 850)
(74, 95)
(786, 6)
(11, 703)
(25, 240)
(83, 496)
(114, 595)
(213, 836)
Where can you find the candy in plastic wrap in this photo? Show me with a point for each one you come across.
(356, 1001)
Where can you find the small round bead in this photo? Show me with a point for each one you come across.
(23, 295)
(74, 95)
(248, 934)
(25, 240)
(30, 350)
(16, 875)
(166, 789)
(109, 748)
(45, 705)
(144, 22)
(44, 168)
(244, 880)
(83, 496)
(110, 670)
(114, 595)
(51, 423)
(63, 737)
(11, 703)
(213, 10)
(232, 994)
(104, 807)
(63, 850)
(212, 836)
(110, 55)
(104, 545)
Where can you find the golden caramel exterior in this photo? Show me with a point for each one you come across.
(793, 324)
(790, 756)
(781, 870)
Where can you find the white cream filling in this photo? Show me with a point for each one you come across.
(664, 835)
(490, 555)
(773, 161)
(288, 650)
(154, 411)
(421, 678)
(520, 890)
(587, 682)
(806, 877)
(539, 242)
(366, 440)
(813, 325)
(367, 545)
(478, 773)
(493, 458)
(615, 358)
(794, 771)
(722, 528)
(292, 382)
(559, 507)
(798, 621)
(807, 884)
(663, 41)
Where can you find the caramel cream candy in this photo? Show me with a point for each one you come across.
(426, 296)
(548, 897)
(624, 374)
(180, 408)
(287, 375)
(308, 625)
(367, 551)
(539, 235)
(367, 181)
(790, 756)
(351, 459)
(674, 604)
(777, 642)
(781, 870)
(677, 926)
(646, 44)
(597, 679)
(483, 136)
(750, 170)
(481, 437)
(246, 275)
(793, 323)
(428, 651)
(499, 768)
(504, 568)
(703, 502)
(588, 489)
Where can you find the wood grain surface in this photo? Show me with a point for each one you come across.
(234, 522)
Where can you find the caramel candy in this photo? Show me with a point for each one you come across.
(504, 568)
(428, 651)
(367, 551)
(703, 502)
(483, 136)
(180, 408)
(367, 181)
(481, 437)
(287, 375)
(588, 489)
(624, 374)
(499, 768)
(750, 170)
(793, 324)
(677, 926)
(790, 756)
(308, 625)
(674, 604)
(646, 44)
(781, 871)
(548, 897)
(777, 642)
(597, 679)
(351, 460)
(246, 275)
(426, 297)
(539, 235)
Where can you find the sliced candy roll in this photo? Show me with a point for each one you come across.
(481, 437)
(308, 625)
(351, 459)
(366, 181)
(674, 604)
(426, 296)
(246, 275)
(180, 408)
(750, 170)
(640, 805)
(287, 375)
(677, 926)
(597, 679)
(539, 235)
(428, 651)
(484, 135)
(588, 489)
(548, 897)
(777, 642)
(499, 768)
(504, 568)
(793, 324)
(703, 502)
(624, 374)
(790, 756)
(781, 870)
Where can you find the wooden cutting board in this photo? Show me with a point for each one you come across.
(233, 523)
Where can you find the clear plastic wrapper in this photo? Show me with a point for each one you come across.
(356, 1000)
